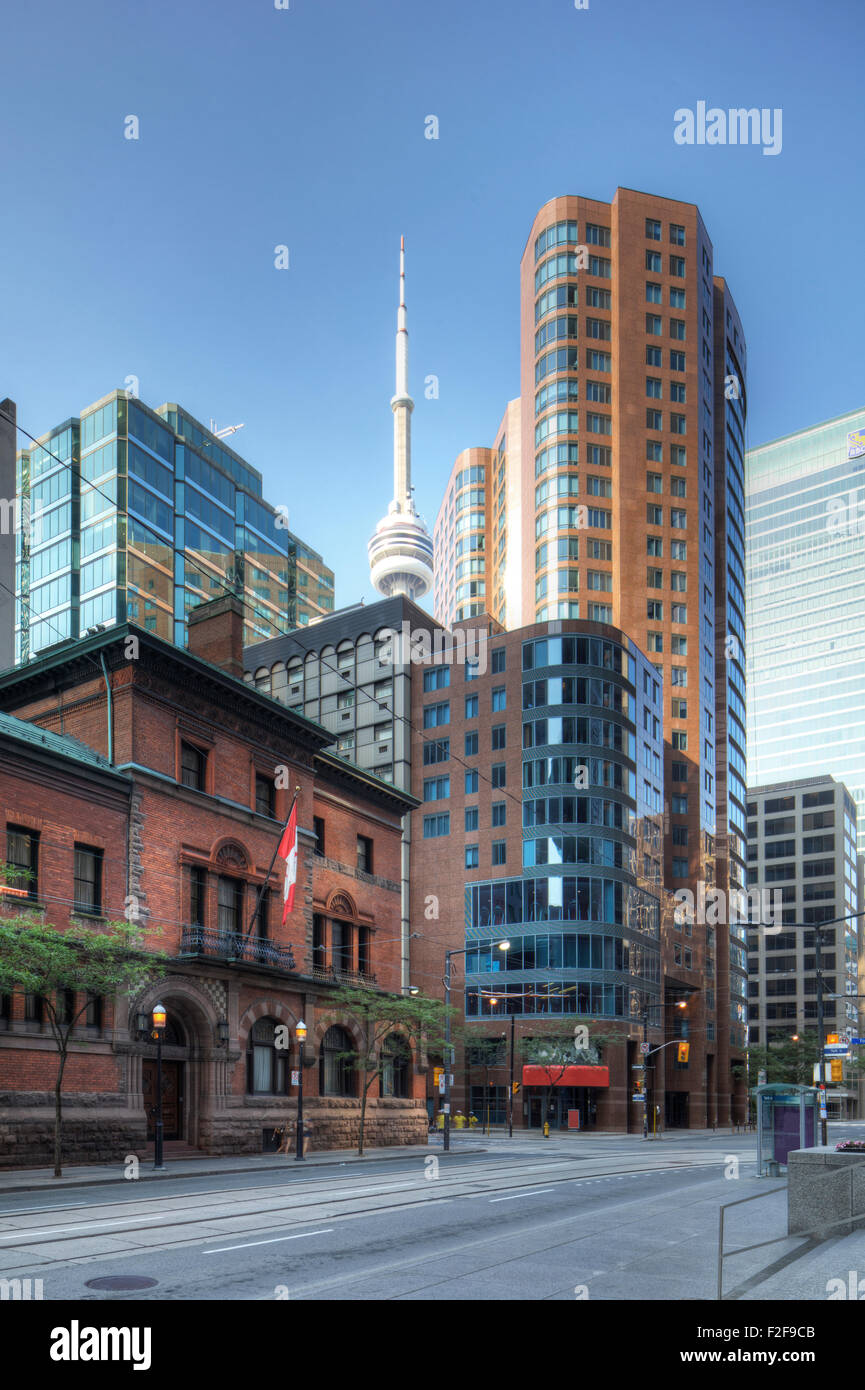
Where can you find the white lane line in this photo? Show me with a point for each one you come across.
(275, 1240)
(21, 1236)
(534, 1193)
(30, 1211)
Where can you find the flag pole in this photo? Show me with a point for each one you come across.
(249, 930)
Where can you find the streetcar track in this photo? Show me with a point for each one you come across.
(303, 1219)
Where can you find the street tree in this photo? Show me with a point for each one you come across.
(38, 958)
(563, 1043)
(391, 1026)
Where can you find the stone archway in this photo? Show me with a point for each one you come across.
(192, 1056)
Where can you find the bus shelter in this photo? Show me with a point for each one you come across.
(787, 1119)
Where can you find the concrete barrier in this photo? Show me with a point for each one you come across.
(825, 1187)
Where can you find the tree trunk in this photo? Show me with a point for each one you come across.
(58, 1115)
(363, 1097)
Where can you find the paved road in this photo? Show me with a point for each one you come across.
(615, 1219)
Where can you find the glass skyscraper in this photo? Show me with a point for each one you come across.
(806, 607)
(140, 515)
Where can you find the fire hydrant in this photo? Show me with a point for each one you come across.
(546, 1129)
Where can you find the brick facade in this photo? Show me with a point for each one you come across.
(190, 862)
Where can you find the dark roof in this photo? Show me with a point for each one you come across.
(64, 745)
(62, 665)
(346, 625)
(360, 777)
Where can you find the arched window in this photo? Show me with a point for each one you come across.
(266, 1070)
(395, 1060)
(336, 1075)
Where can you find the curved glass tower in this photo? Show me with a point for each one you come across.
(583, 917)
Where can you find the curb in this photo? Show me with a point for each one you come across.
(174, 1171)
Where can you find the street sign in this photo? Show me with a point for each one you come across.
(295, 1078)
(858, 1042)
(638, 1096)
(835, 1050)
(644, 1048)
(441, 1086)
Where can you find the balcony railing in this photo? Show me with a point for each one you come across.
(204, 941)
(333, 975)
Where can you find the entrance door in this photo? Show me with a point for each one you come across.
(172, 1098)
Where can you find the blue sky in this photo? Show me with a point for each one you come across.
(305, 127)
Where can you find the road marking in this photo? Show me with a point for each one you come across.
(21, 1237)
(275, 1240)
(30, 1211)
(522, 1194)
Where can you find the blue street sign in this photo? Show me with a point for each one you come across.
(858, 1042)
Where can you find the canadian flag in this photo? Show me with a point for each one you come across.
(288, 851)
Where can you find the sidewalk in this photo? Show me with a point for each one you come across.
(42, 1179)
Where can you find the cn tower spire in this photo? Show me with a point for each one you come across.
(402, 403)
(400, 552)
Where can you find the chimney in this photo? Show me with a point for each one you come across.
(215, 633)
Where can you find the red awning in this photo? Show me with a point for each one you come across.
(571, 1076)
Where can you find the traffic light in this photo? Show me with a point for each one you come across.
(515, 1088)
(683, 1050)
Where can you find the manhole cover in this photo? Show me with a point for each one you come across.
(122, 1281)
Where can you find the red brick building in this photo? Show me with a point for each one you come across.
(175, 823)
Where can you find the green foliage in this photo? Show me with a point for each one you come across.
(414, 1018)
(36, 958)
(793, 1062)
(555, 1048)
(406, 1020)
(788, 1061)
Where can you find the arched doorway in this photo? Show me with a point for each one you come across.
(175, 1052)
(192, 1078)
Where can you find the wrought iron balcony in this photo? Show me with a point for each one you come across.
(334, 976)
(220, 945)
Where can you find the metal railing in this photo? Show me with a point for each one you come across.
(818, 1231)
(204, 941)
(333, 975)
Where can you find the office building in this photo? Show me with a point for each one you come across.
(140, 515)
(802, 847)
(540, 766)
(9, 525)
(806, 606)
(612, 492)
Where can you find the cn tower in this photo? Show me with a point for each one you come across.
(401, 551)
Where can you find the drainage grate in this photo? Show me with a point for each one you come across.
(122, 1281)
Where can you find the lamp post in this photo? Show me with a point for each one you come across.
(301, 1038)
(158, 1018)
(511, 1086)
(448, 1057)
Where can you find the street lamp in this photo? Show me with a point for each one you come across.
(158, 1018)
(448, 1057)
(301, 1038)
